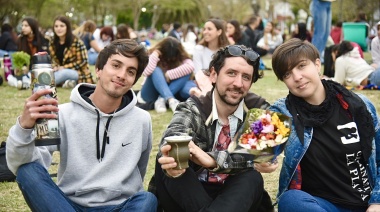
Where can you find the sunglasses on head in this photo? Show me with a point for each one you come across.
(238, 51)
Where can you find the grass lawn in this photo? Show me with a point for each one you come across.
(12, 100)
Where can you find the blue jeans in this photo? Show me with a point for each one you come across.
(3, 52)
(321, 12)
(155, 85)
(42, 194)
(92, 56)
(375, 77)
(65, 74)
(300, 201)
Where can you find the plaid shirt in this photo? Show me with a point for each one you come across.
(74, 57)
(194, 118)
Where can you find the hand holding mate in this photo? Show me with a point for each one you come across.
(168, 163)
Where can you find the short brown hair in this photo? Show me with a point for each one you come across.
(289, 54)
(128, 48)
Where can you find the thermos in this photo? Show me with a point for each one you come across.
(47, 130)
(7, 66)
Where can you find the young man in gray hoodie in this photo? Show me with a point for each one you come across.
(105, 141)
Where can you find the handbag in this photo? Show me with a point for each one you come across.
(5, 174)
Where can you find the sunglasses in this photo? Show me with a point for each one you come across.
(238, 51)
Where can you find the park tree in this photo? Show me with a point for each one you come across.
(227, 9)
(169, 11)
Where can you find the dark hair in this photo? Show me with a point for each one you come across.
(289, 54)
(238, 33)
(107, 31)
(302, 32)
(172, 53)
(361, 17)
(189, 28)
(222, 39)
(22, 44)
(219, 58)
(69, 37)
(126, 47)
(122, 32)
(176, 25)
(343, 48)
(6, 28)
(252, 19)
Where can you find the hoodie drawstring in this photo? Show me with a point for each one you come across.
(105, 137)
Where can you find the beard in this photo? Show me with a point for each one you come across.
(109, 92)
(227, 100)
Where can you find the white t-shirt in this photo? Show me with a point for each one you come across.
(190, 42)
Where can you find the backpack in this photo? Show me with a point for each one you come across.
(5, 174)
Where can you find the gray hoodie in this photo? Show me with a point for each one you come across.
(83, 177)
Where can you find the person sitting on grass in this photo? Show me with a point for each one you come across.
(215, 179)
(331, 159)
(69, 56)
(105, 141)
(351, 69)
(31, 40)
(167, 72)
(86, 33)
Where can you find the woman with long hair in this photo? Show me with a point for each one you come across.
(235, 34)
(189, 39)
(271, 39)
(69, 55)
(214, 38)
(31, 40)
(301, 32)
(122, 32)
(167, 72)
(86, 34)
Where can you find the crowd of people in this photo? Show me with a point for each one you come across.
(206, 78)
(72, 50)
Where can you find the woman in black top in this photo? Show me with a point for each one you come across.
(235, 35)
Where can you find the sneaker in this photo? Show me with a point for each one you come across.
(69, 84)
(173, 103)
(159, 105)
(12, 81)
(22, 85)
(140, 99)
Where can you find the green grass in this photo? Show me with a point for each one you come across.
(12, 101)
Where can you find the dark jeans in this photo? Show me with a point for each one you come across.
(42, 194)
(240, 192)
